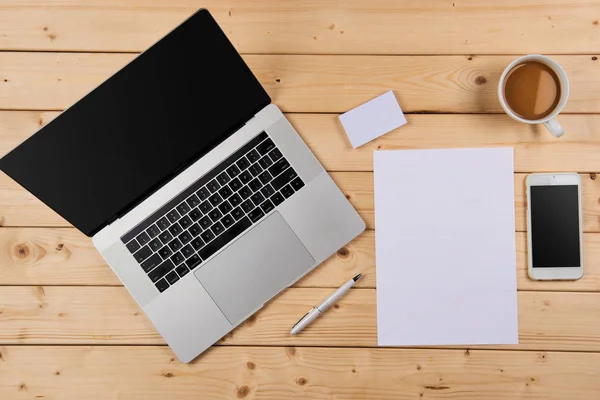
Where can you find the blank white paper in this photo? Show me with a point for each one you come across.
(372, 119)
(445, 247)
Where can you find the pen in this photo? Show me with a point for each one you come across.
(316, 312)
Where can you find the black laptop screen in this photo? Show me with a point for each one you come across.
(169, 106)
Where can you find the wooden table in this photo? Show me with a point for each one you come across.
(69, 330)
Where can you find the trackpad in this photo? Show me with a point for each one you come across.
(255, 268)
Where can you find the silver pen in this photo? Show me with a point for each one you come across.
(316, 312)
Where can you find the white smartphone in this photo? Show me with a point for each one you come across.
(554, 226)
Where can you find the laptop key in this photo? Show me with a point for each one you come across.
(163, 223)
(142, 254)
(265, 177)
(223, 178)
(242, 163)
(175, 229)
(255, 185)
(162, 285)
(256, 214)
(225, 207)
(297, 184)
(215, 215)
(165, 237)
(175, 244)
(173, 216)
(151, 262)
(195, 230)
(172, 277)
(245, 177)
(287, 175)
(225, 192)
(205, 222)
(203, 194)
(207, 235)
(267, 206)
(255, 169)
(235, 184)
(133, 246)
(227, 221)
(187, 251)
(237, 213)
(205, 207)
(257, 198)
(233, 171)
(165, 252)
(275, 154)
(197, 243)
(215, 199)
(182, 270)
(287, 191)
(277, 199)
(253, 155)
(245, 192)
(195, 214)
(161, 270)
(193, 261)
(183, 208)
(267, 191)
(185, 237)
(235, 199)
(153, 231)
(225, 238)
(155, 244)
(185, 222)
(213, 186)
(217, 228)
(247, 206)
(143, 238)
(265, 147)
(265, 162)
(193, 201)
(279, 167)
(177, 258)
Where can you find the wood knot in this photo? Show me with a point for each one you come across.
(277, 80)
(332, 26)
(353, 370)
(467, 353)
(168, 375)
(23, 387)
(52, 37)
(532, 379)
(59, 247)
(419, 367)
(22, 251)
(436, 387)
(336, 306)
(343, 252)
(594, 58)
(243, 391)
(593, 176)
(251, 366)
(595, 22)
(57, 373)
(301, 381)
(470, 58)
(480, 80)
(291, 351)
(45, 29)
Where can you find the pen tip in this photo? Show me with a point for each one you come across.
(357, 277)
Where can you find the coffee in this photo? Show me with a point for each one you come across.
(532, 90)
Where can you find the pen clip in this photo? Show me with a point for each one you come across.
(304, 316)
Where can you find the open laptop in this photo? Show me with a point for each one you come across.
(197, 191)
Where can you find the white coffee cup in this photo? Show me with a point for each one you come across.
(549, 121)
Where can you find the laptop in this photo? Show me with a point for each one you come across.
(197, 191)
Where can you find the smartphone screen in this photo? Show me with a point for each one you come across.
(555, 226)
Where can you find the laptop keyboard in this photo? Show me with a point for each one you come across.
(212, 212)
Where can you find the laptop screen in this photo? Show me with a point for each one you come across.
(130, 135)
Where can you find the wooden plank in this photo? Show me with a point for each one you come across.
(306, 83)
(535, 149)
(108, 315)
(51, 256)
(102, 373)
(19, 208)
(376, 27)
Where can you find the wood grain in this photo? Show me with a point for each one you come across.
(306, 83)
(353, 26)
(108, 315)
(19, 208)
(111, 373)
(63, 256)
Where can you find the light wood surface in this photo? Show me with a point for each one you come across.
(70, 330)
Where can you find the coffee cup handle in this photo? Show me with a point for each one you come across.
(555, 128)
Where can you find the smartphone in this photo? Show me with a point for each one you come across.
(554, 226)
